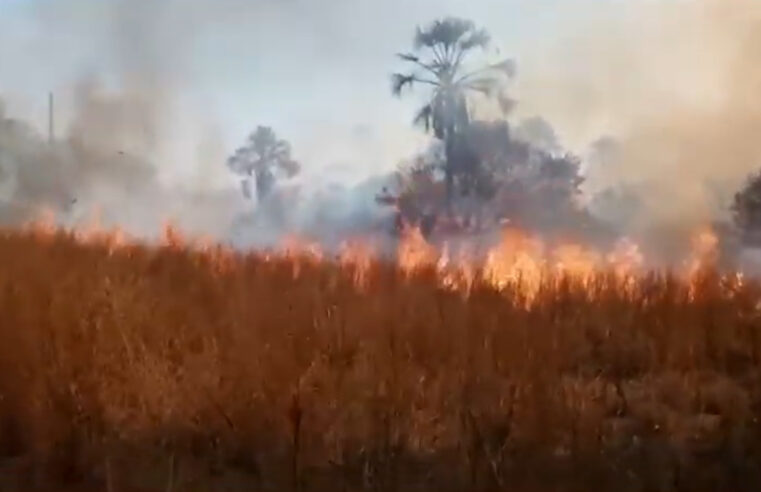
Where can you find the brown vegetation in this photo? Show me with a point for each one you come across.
(167, 368)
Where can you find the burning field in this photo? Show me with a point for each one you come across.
(190, 366)
(529, 273)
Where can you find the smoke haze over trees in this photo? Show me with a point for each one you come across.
(138, 141)
(264, 157)
(484, 177)
(442, 51)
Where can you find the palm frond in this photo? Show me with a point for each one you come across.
(399, 81)
(443, 32)
(424, 117)
(448, 42)
(281, 148)
(262, 152)
(421, 38)
(476, 39)
(262, 138)
(239, 163)
(232, 162)
(485, 85)
(451, 30)
(289, 167)
(431, 67)
(408, 57)
(506, 66)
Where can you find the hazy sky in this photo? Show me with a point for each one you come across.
(315, 70)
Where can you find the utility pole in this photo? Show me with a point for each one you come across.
(51, 128)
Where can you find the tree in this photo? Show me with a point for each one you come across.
(746, 209)
(490, 155)
(438, 61)
(264, 157)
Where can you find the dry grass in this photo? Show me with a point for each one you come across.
(165, 369)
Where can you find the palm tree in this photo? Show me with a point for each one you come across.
(264, 157)
(448, 43)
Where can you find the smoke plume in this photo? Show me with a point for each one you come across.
(669, 90)
(124, 128)
(674, 85)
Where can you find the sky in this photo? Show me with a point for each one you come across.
(181, 83)
(317, 71)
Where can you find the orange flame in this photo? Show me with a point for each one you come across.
(457, 275)
(357, 256)
(415, 252)
(519, 263)
(301, 251)
(626, 259)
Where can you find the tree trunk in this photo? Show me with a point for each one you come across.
(264, 183)
(449, 170)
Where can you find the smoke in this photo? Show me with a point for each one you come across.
(139, 144)
(671, 85)
(674, 88)
(125, 127)
(106, 164)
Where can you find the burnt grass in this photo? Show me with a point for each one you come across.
(172, 369)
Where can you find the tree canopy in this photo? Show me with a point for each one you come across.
(439, 61)
(264, 157)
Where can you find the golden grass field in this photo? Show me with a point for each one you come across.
(166, 368)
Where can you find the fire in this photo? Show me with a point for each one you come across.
(415, 252)
(518, 263)
(93, 232)
(704, 256)
(517, 260)
(626, 259)
(301, 252)
(44, 226)
(575, 261)
(172, 236)
(458, 274)
(357, 256)
(296, 246)
(705, 250)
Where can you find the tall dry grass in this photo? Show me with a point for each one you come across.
(165, 368)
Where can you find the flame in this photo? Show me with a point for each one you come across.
(705, 250)
(626, 259)
(415, 253)
(357, 256)
(518, 261)
(519, 264)
(172, 236)
(301, 251)
(704, 257)
(573, 260)
(94, 233)
(44, 226)
(457, 275)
